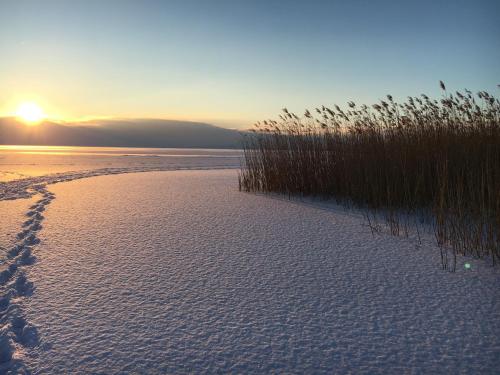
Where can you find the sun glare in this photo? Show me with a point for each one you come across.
(30, 113)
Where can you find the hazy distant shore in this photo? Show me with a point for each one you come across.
(120, 133)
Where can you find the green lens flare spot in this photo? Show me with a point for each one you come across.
(467, 266)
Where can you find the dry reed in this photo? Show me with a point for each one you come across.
(437, 160)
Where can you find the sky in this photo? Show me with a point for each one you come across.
(232, 63)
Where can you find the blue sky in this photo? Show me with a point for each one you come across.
(235, 62)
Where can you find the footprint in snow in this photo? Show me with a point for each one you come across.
(31, 213)
(31, 240)
(14, 251)
(35, 227)
(26, 258)
(23, 286)
(23, 234)
(28, 222)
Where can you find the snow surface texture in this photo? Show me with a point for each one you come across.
(11, 219)
(179, 272)
(26, 181)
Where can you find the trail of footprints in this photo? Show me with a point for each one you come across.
(16, 333)
(26, 187)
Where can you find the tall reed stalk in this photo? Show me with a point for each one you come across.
(434, 159)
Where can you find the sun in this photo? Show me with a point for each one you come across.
(30, 113)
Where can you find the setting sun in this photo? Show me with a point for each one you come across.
(30, 113)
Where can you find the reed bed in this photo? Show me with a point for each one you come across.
(436, 161)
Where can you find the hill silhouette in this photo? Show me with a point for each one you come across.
(119, 133)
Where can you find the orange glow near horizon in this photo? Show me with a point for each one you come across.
(30, 113)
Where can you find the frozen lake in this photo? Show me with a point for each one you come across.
(27, 161)
(179, 272)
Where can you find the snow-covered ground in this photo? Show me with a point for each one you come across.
(179, 272)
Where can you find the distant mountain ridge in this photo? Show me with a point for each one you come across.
(120, 133)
